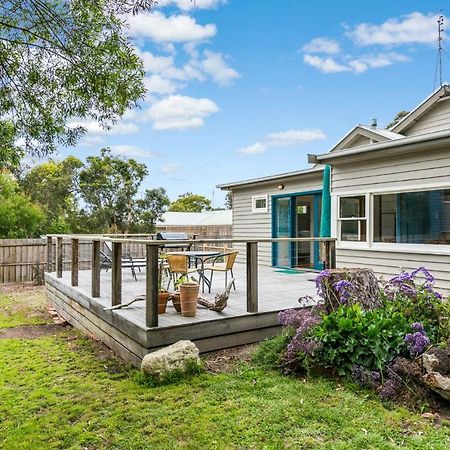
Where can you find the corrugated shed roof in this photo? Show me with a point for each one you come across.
(190, 219)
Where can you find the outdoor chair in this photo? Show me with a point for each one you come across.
(178, 266)
(225, 266)
(127, 261)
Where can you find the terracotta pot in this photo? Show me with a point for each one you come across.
(176, 301)
(163, 298)
(188, 299)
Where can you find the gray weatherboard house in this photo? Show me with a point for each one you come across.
(390, 199)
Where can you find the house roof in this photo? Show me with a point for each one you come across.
(192, 219)
(312, 170)
(422, 108)
(420, 142)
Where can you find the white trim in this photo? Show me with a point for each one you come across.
(255, 198)
(355, 244)
(420, 249)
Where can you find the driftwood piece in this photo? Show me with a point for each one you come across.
(221, 299)
(139, 298)
(349, 286)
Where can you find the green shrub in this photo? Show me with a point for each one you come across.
(270, 351)
(350, 336)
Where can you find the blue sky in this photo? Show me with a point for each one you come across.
(246, 88)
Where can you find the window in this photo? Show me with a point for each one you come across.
(259, 204)
(412, 217)
(352, 218)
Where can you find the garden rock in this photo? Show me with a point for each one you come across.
(175, 357)
(436, 364)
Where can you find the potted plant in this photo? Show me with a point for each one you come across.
(163, 294)
(176, 295)
(188, 297)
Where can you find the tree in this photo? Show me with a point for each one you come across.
(190, 202)
(53, 185)
(10, 154)
(19, 217)
(399, 116)
(229, 200)
(61, 59)
(108, 184)
(150, 209)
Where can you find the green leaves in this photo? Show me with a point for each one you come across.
(61, 59)
(352, 336)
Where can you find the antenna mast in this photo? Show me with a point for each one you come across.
(440, 23)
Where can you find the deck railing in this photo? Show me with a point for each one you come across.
(152, 247)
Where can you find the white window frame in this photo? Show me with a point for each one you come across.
(429, 249)
(255, 198)
(352, 244)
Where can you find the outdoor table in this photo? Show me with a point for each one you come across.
(199, 255)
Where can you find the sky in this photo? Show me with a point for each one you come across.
(239, 89)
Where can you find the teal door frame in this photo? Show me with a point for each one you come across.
(317, 194)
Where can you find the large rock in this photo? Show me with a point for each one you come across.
(438, 383)
(177, 356)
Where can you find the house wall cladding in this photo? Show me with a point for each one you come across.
(416, 171)
(249, 225)
(437, 119)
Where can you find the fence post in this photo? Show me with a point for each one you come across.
(116, 274)
(49, 254)
(151, 286)
(74, 262)
(326, 254)
(59, 257)
(252, 277)
(95, 269)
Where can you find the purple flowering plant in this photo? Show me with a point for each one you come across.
(417, 341)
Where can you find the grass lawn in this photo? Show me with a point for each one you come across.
(68, 392)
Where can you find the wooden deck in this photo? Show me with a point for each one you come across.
(125, 332)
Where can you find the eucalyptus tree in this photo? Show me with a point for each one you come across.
(63, 59)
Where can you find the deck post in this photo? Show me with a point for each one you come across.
(74, 262)
(95, 269)
(151, 286)
(326, 254)
(116, 274)
(332, 257)
(49, 254)
(252, 277)
(59, 257)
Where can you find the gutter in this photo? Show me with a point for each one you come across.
(419, 142)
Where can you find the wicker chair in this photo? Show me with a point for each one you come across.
(178, 266)
(225, 266)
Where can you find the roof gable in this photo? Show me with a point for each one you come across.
(363, 135)
(421, 111)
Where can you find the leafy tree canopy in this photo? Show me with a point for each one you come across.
(53, 185)
(19, 217)
(63, 59)
(10, 154)
(399, 116)
(108, 184)
(190, 202)
(150, 209)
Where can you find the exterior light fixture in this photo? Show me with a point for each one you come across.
(281, 187)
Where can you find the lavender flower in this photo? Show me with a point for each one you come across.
(320, 281)
(364, 377)
(417, 342)
(417, 326)
(344, 289)
(390, 388)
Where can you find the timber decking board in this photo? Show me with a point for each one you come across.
(124, 330)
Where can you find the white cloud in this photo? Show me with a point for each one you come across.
(94, 128)
(162, 28)
(287, 138)
(154, 63)
(171, 168)
(179, 112)
(357, 64)
(253, 149)
(414, 28)
(293, 137)
(214, 65)
(131, 150)
(322, 45)
(156, 84)
(325, 65)
(187, 5)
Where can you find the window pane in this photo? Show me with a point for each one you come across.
(412, 218)
(353, 206)
(353, 230)
(260, 203)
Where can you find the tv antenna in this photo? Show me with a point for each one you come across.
(441, 50)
